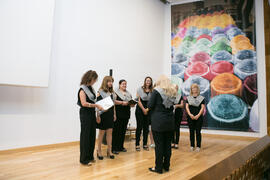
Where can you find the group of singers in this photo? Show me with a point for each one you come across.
(158, 105)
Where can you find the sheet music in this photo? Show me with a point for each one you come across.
(106, 103)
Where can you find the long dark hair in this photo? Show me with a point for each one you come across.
(88, 77)
(151, 85)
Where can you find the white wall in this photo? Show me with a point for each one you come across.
(26, 34)
(124, 35)
(260, 49)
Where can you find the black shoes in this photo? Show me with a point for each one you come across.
(154, 170)
(146, 148)
(99, 157)
(110, 156)
(115, 152)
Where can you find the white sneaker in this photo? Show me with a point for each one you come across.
(198, 149)
(152, 145)
(191, 148)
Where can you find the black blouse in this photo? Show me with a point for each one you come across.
(179, 110)
(86, 109)
(122, 112)
(162, 118)
(195, 110)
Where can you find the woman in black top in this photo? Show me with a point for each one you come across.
(122, 108)
(86, 100)
(142, 117)
(162, 122)
(106, 119)
(178, 114)
(195, 106)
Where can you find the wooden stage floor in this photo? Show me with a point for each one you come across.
(62, 162)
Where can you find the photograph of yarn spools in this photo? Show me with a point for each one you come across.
(213, 45)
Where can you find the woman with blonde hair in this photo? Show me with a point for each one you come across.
(105, 120)
(160, 107)
(195, 106)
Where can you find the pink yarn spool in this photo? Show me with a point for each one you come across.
(198, 68)
(220, 67)
(201, 57)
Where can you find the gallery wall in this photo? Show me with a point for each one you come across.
(126, 36)
(169, 58)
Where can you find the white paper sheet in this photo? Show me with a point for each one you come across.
(106, 103)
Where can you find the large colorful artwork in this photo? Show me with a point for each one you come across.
(213, 45)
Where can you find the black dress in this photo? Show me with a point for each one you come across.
(88, 130)
(195, 125)
(106, 117)
(120, 126)
(162, 122)
(178, 114)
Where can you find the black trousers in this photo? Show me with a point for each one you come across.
(163, 149)
(119, 132)
(87, 137)
(195, 126)
(142, 124)
(176, 133)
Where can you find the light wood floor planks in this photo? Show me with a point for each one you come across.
(63, 162)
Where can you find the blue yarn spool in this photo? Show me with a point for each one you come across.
(227, 112)
(217, 37)
(192, 31)
(178, 70)
(204, 31)
(181, 58)
(245, 68)
(203, 84)
(234, 32)
(222, 56)
(245, 54)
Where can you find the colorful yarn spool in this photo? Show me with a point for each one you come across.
(202, 83)
(204, 36)
(245, 68)
(178, 81)
(226, 83)
(240, 42)
(232, 32)
(222, 37)
(182, 32)
(254, 122)
(222, 56)
(218, 46)
(250, 92)
(181, 59)
(202, 57)
(178, 70)
(228, 112)
(197, 68)
(244, 54)
(221, 67)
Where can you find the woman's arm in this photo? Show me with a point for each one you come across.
(118, 102)
(140, 104)
(188, 111)
(84, 102)
(201, 112)
(181, 105)
(114, 113)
